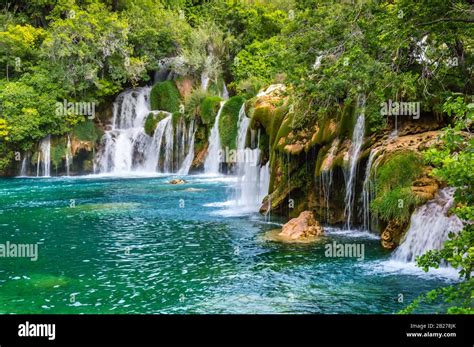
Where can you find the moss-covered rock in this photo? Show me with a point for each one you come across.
(164, 96)
(209, 107)
(152, 121)
(228, 121)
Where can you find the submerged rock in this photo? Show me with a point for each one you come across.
(303, 228)
(177, 181)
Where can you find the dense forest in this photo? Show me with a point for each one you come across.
(303, 69)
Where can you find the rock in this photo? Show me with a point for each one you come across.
(177, 181)
(392, 234)
(302, 227)
(425, 188)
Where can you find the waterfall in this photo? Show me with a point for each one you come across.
(154, 149)
(68, 156)
(44, 158)
(24, 165)
(368, 190)
(354, 151)
(225, 93)
(252, 179)
(169, 134)
(181, 144)
(430, 226)
(327, 176)
(126, 147)
(188, 160)
(212, 162)
(204, 80)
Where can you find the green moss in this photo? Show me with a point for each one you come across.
(283, 131)
(264, 116)
(87, 131)
(319, 160)
(228, 121)
(165, 96)
(208, 110)
(395, 175)
(152, 121)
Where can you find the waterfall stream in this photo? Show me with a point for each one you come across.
(368, 190)
(354, 151)
(213, 159)
(68, 156)
(430, 226)
(44, 158)
(252, 178)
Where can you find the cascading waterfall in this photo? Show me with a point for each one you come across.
(24, 165)
(368, 190)
(169, 135)
(188, 161)
(212, 162)
(252, 179)
(126, 147)
(430, 226)
(44, 158)
(153, 151)
(68, 156)
(354, 151)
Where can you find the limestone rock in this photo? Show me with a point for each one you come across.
(302, 227)
(177, 181)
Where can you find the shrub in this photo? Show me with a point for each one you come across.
(87, 131)
(394, 197)
(209, 107)
(228, 121)
(165, 96)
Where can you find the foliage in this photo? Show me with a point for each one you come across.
(165, 96)
(86, 131)
(209, 108)
(454, 162)
(228, 121)
(394, 199)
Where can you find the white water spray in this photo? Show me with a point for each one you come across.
(430, 226)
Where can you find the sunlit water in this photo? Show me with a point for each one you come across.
(141, 245)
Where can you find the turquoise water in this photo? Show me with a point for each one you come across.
(141, 245)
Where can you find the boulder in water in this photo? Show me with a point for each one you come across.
(302, 228)
(177, 181)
